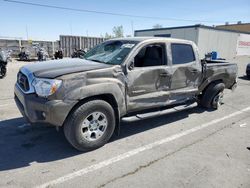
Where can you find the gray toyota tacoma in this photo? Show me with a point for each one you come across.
(124, 79)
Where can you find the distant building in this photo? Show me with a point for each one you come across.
(241, 27)
(226, 43)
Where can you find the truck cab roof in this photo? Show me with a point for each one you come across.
(145, 39)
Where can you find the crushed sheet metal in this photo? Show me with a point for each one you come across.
(136, 151)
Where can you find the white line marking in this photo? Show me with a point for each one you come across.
(135, 151)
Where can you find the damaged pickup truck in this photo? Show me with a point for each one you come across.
(120, 80)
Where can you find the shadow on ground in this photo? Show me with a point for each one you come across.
(22, 144)
(244, 77)
(30, 60)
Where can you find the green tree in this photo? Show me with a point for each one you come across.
(108, 36)
(118, 31)
(157, 26)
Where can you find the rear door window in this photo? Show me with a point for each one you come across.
(182, 53)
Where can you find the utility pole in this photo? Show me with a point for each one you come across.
(27, 33)
(132, 28)
(70, 25)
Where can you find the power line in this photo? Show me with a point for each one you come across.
(109, 13)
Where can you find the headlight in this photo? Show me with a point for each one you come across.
(46, 87)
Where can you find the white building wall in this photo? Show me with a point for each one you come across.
(223, 42)
(243, 45)
(182, 33)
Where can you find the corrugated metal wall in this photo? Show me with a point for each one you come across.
(182, 33)
(69, 43)
(223, 42)
(15, 46)
(66, 43)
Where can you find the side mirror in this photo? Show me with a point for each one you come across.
(125, 67)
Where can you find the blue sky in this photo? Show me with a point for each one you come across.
(48, 24)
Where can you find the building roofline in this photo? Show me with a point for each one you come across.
(140, 39)
(80, 36)
(233, 24)
(178, 27)
(193, 26)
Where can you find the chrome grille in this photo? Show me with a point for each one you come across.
(23, 81)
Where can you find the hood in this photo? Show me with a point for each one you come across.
(55, 68)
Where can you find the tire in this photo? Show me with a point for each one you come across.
(213, 95)
(90, 126)
(3, 72)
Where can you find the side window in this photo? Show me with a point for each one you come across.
(182, 53)
(151, 55)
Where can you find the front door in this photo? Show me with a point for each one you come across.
(148, 81)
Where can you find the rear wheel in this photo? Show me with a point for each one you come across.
(213, 96)
(90, 126)
(217, 100)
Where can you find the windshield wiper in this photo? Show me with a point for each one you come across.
(95, 60)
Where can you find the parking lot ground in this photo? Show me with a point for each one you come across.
(193, 148)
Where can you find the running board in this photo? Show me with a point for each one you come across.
(159, 113)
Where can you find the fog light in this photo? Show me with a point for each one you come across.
(43, 115)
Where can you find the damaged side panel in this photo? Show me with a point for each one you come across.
(185, 81)
(148, 87)
(109, 81)
(225, 72)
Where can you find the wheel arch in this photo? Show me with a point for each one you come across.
(204, 87)
(210, 91)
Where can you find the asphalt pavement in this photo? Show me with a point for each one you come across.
(193, 148)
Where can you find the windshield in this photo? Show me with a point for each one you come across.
(111, 52)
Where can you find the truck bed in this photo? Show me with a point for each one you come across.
(222, 70)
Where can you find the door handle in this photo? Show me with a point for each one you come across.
(164, 74)
(194, 71)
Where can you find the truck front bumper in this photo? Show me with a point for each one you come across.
(248, 72)
(40, 110)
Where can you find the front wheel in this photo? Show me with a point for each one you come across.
(90, 126)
